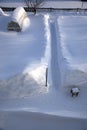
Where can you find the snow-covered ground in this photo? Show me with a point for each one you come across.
(73, 49)
(24, 57)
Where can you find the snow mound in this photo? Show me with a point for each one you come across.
(20, 86)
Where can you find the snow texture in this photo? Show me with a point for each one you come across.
(2, 13)
(25, 102)
(24, 57)
(19, 15)
(73, 62)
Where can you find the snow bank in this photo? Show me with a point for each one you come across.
(73, 46)
(21, 86)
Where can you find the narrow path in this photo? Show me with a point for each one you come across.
(54, 56)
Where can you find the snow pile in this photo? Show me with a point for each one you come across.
(37, 72)
(20, 86)
(73, 49)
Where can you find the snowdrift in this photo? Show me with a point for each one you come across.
(73, 50)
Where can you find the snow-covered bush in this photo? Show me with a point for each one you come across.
(18, 17)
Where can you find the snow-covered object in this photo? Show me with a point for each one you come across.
(73, 50)
(75, 90)
(18, 17)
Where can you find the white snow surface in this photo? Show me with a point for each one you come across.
(62, 4)
(19, 15)
(73, 65)
(25, 56)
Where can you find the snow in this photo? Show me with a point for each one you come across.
(3, 13)
(19, 14)
(73, 39)
(75, 90)
(26, 120)
(24, 57)
(61, 4)
(12, 4)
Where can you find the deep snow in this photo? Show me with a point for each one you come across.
(73, 62)
(24, 57)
